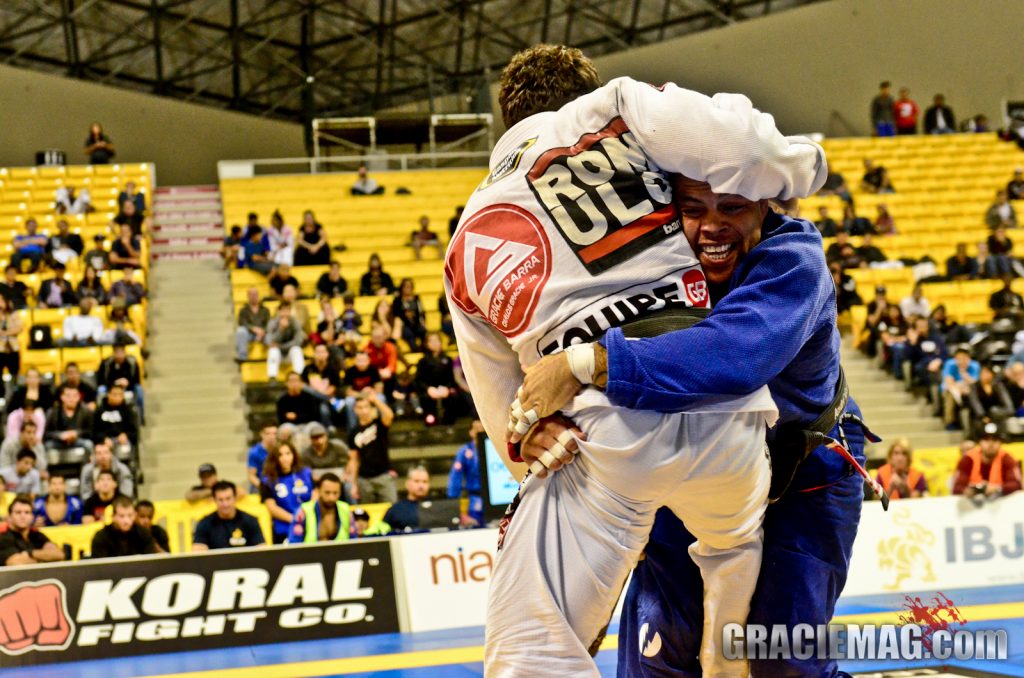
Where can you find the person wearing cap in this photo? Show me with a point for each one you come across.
(958, 374)
(227, 527)
(57, 292)
(98, 257)
(987, 471)
(207, 480)
(324, 518)
(898, 475)
(360, 523)
(1015, 187)
(324, 452)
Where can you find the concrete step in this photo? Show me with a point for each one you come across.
(187, 255)
(204, 248)
(198, 204)
(182, 190)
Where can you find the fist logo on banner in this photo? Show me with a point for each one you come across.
(34, 616)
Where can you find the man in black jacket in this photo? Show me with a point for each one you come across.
(69, 423)
(938, 118)
(123, 536)
(122, 369)
(116, 419)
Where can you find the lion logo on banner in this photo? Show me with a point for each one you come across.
(905, 554)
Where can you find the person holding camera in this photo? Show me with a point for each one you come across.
(987, 471)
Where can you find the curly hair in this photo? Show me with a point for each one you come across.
(544, 78)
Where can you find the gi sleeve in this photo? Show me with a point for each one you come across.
(722, 140)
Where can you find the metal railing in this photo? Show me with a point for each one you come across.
(245, 169)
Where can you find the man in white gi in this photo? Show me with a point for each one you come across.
(546, 256)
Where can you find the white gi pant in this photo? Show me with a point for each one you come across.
(274, 360)
(576, 535)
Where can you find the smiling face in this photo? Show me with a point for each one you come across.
(721, 228)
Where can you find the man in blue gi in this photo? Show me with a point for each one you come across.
(465, 475)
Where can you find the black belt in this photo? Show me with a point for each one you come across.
(663, 321)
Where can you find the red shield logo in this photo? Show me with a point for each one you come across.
(696, 288)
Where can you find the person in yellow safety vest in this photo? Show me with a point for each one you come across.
(325, 518)
(898, 476)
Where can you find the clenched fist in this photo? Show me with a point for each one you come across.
(33, 616)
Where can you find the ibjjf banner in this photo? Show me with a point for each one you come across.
(938, 543)
(131, 606)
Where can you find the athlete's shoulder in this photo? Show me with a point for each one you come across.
(799, 239)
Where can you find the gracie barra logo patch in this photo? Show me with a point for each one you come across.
(604, 197)
(498, 265)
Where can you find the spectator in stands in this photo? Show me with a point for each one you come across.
(311, 247)
(123, 536)
(868, 252)
(91, 287)
(890, 331)
(835, 184)
(117, 421)
(916, 303)
(988, 471)
(408, 307)
(883, 115)
(297, 405)
(1006, 303)
(82, 329)
(32, 389)
(1000, 250)
(361, 376)
(26, 438)
(958, 375)
(853, 224)
(326, 518)
(939, 118)
(253, 319)
(876, 179)
(989, 266)
(284, 336)
(907, 112)
(424, 237)
(231, 249)
(57, 292)
(98, 257)
(128, 288)
(925, 351)
(465, 475)
(351, 321)
(825, 224)
(961, 266)
(255, 254)
(69, 424)
(125, 251)
(1015, 188)
(15, 292)
(370, 450)
(121, 328)
(145, 513)
(207, 479)
(131, 217)
(285, 485)
(63, 246)
(136, 197)
(227, 527)
(404, 515)
(898, 476)
(375, 281)
(73, 379)
(21, 544)
(257, 455)
(94, 506)
(447, 328)
(846, 288)
(10, 329)
(56, 507)
(323, 379)
(1001, 212)
(324, 452)
(1013, 382)
(30, 245)
(989, 400)
(360, 523)
(950, 330)
(365, 184)
(98, 146)
(384, 315)
(23, 477)
(382, 353)
(435, 379)
(123, 370)
(28, 412)
(331, 284)
(280, 241)
(330, 329)
(463, 385)
(281, 277)
(103, 459)
(68, 201)
(453, 223)
(884, 224)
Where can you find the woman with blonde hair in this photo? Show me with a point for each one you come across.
(898, 476)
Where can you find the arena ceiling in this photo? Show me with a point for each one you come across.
(298, 59)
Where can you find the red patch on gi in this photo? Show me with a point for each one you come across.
(696, 287)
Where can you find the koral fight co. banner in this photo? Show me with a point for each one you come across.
(131, 606)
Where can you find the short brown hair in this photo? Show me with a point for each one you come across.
(544, 78)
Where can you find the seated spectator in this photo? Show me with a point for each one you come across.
(121, 328)
(351, 321)
(33, 389)
(1004, 302)
(453, 223)
(331, 284)
(988, 471)
(69, 200)
(1000, 250)
(447, 327)
(323, 378)
(28, 412)
(280, 241)
(369, 450)
(361, 376)
(1001, 212)
(145, 513)
(330, 329)
(436, 379)
(890, 331)
(424, 237)
(255, 254)
(227, 527)
(27, 438)
(876, 179)
(384, 315)
(131, 217)
(360, 523)
(311, 247)
(835, 184)
(29, 245)
(73, 379)
(136, 197)
(950, 330)
(853, 224)
(103, 459)
(98, 146)
(939, 118)
(253, 319)
(961, 266)
(284, 486)
(13, 290)
(465, 475)
(257, 455)
(281, 277)
(128, 288)
(63, 246)
(98, 257)
(83, 328)
(916, 303)
(326, 518)
(925, 352)
(56, 507)
(69, 424)
(204, 490)
(383, 354)
(231, 250)
(375, 281)
(117, 421)
(91, 287)
(825, 224)
(365, 184)
(884, 223)
(1015, 187)
(989, 400)
(958, 376)
(96, 504)
(868, 252)
(846, 288)
(57, 292)
(126, 250)
(284, 335)
(324, 452)
(898, 476)
(834, 251)
(10, 329)
(21, 544)
(404, 515)
(297, 405)
(23, 477)
(123, 536)
(123, 370)
(408, 307)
